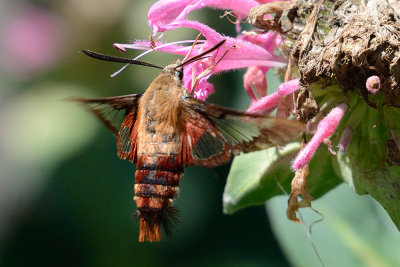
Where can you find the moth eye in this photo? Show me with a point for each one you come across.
(179, 74)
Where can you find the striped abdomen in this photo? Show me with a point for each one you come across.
(157, 177)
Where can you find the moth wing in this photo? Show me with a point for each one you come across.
(225, 131)
(202, 143)
(119, 115)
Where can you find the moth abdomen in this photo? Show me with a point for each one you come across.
(150, 223)
(156, 190)
(157, 179)
(154, 193)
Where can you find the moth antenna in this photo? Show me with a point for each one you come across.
(122, 48)
(118, 59)
(200, 56)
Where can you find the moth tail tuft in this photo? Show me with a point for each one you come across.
(149, 231)
(150, 223)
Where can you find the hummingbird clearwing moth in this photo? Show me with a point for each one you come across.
(165, 130)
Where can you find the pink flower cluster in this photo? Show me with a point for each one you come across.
(244, 51)
(256, 53)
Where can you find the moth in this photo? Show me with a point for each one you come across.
(165, 130)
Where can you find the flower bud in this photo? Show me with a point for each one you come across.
(373, 84)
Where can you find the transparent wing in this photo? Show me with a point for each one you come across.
(243, 132)
(119, 114)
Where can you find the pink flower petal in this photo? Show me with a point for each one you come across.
(204, 89)
(266, 103)
(201, 71)
(244, 54)
(160, 46)
(233, 54)
(289, 87)
(325, 129)
(165, 12)
(240, 7)
(120, 47)
(239, 63)
(241, 54)
(255, 78)
(269, 41)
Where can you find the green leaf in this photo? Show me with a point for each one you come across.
(355, 231)
(364, 165)
(253, 177)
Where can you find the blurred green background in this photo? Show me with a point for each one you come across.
(65, 197)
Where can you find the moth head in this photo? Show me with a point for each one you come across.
(175, 69)
(179, 73)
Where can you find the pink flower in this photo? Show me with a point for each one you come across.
(325, 129)
(289, 87)
(244, 53)
(252, 51)
(269, 102)
(268, 41)
(166, 12)
(255, 76)
(265, 104)
(241, 54)
(373, 84)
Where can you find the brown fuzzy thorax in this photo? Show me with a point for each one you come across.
(158, 169)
